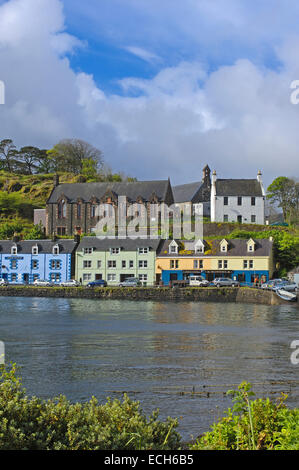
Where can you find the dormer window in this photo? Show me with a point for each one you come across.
(173, 248)
(199, 247)
(250, 245)
(14, 250)
(143, 251)
(56, 250)
(224, 246)
(35, 250)
(114, 251)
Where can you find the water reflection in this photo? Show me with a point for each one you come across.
(159, 352)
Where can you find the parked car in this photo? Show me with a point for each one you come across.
(70, 283)
(271, 283)
(97, 283)
(42, 283)
(130, 282)
(224, 282)
(285, 285)
(3, 282)
(198, 281)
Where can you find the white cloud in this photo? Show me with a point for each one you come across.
(237, 118)
(143, 54)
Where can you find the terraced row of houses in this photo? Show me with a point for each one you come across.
(151, 261)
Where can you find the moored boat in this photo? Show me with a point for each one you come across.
(286, 295)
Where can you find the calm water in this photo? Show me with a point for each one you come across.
(152, 350)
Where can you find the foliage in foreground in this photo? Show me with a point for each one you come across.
(253, 425)
(56, 424)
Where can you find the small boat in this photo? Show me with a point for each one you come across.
(286, 295)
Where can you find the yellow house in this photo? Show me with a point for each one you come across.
(242, 260)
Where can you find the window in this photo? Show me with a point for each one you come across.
(79, 210)
(35, 250)
(143, 251)
(225, 218)
(111, 277)
(239, 201)
(253, 219)
(223, 248)
(131, 264)
(253, 201)
(250, 248)
(220, 264)
(99, 264)
(143, 279)
(93, 209)
(115, 251)
(86, 264)
(14, 250)
(35, 276)
(142, 264)
(251, 264)
(54, 277)
(111, 264)
(34, 264)
(174, 264)
(123, 264)
(245, 264)
(225, 264)
(55, 264)
(87, 277)
(56, 250)
(14, 277)
(87, 251)
(225, 201)
(61, 209)
(61, 231)
(13, 264)
(195, 264)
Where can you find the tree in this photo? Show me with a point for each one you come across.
(29, 159)
(281, 191)
(8, 154)
(71, 155)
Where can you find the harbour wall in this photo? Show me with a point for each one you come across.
(194, 294)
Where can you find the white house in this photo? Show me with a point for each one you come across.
(238, 200)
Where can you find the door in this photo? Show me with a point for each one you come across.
(26, 278)
(239, 219)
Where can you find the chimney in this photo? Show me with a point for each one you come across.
(259, 178)
(77, 237)
(56, 180)
(16, 238)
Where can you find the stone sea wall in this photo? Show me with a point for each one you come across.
(223, 294)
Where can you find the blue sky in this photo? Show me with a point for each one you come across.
(162, 87)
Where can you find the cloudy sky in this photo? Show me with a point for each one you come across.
(161, 87)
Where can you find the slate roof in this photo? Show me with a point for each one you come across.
(44, 246)
(236, 247)
(86, 191)
(238, 187)
(127, 244)
(186, 192)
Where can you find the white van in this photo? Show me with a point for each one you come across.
(196, 280)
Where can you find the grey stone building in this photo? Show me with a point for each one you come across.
(72, 207)
(195, 193)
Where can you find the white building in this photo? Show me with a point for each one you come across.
(238, 200)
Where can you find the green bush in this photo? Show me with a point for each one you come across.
(56, 424)
(253, 425)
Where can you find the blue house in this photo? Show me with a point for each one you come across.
(21, 262)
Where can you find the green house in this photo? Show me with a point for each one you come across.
(115, 260)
